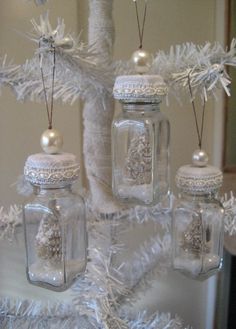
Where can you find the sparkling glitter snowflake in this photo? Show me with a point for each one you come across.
(139, 160)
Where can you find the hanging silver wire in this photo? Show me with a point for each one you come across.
(140, 30)
(49, 112)
(199, 131)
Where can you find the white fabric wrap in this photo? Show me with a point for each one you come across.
(98, 114)
(51, 169)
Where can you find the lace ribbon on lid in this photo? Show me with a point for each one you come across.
(51, 169)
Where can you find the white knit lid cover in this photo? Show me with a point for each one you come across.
(51, 169)
(198, 180)
(140, 88)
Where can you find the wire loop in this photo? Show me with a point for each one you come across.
(49, 111)
(141, 30)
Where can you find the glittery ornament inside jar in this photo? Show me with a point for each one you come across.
(140, 141)
(54, 222)
(197, 230)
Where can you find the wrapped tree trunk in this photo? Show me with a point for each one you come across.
(98, 114)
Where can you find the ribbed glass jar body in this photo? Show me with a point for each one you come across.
(140, 154)
(55, 237)
(197, 231)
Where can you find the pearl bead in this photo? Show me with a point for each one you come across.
(199, 158)
(142, 60)
(51, 141)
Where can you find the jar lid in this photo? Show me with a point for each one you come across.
(198, 178)
(51, 169)
(140, 88)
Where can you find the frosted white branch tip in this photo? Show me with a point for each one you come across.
(139, 88)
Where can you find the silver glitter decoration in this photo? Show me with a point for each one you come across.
(48, 241)
(193, 238)
(139, 160)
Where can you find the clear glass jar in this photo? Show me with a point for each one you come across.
(54, 223)
(55, 237)
(140, 154)
(197, 224)
(198, 235)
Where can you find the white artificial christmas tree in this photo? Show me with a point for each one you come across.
(88, 72)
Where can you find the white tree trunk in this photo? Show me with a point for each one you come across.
(101, 27)
(98, 114)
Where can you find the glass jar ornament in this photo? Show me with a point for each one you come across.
(197, 226)
(140, 141)
(54, 221)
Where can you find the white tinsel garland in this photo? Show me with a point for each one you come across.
(8, 72)
(78, 75)
(9, 220)
(153, 255)
(30, 314)
(203, 66)
(103, 289)
(163, 321)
